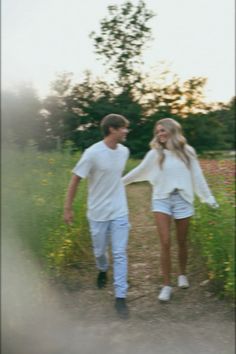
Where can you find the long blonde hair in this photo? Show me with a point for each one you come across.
(176, 142)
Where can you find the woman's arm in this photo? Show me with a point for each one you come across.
(143, 171)
(200, 185)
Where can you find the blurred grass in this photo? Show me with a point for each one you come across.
(213, 230)
(33, 191)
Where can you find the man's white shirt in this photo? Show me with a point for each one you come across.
(103, 167)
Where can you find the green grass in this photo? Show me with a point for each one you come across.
(33, 191)
(34, 187)
(213, 230)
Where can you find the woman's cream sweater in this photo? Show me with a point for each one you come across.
(174, 174)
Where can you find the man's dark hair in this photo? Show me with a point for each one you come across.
(113, 120)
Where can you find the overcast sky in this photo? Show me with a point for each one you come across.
(43, 37)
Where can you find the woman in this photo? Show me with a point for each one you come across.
(172, 168)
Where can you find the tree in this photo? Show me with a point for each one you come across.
(73, 112)
(93, 99)
(226, 116)
(123, 37)
(60, 120)
(21, 115)
(168, 95)
(203, 131)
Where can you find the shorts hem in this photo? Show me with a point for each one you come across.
(182, 217)
(161, 211)
(176, 217)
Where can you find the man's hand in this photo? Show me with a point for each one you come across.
(68, 216)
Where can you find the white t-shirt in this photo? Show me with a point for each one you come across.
(174, 174)
(106, 193)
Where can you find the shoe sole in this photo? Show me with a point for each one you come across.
(162, 300)
(184, 287)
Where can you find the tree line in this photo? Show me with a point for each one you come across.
(69, 117)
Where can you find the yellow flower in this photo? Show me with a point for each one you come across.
(51, 161)
(68, 241)
(38, 200)
(211, 275)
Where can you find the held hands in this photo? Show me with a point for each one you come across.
(68, 216)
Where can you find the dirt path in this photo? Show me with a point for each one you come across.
(84, 321)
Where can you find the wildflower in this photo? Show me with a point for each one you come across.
(68, 241)
(51, 161)
(211, 275)
(44, 182)
(38, 200)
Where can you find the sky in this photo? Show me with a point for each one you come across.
(45, 37)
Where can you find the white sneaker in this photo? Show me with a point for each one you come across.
(183, 282)
(165, 293)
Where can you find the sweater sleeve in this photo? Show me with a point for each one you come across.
(143, 171)
(200, 185)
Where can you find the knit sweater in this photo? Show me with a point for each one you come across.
(174, 174)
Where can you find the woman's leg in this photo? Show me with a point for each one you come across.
(163, 226)
(182, 226)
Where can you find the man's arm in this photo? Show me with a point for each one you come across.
(71, 192)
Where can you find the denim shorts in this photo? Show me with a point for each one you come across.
(174, 206)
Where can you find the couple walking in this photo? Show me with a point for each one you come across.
(170, 166)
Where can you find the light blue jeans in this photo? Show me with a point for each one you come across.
(117, 232)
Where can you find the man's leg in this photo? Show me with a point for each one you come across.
(100, 240)
(119, 238)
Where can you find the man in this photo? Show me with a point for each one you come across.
(103, 164)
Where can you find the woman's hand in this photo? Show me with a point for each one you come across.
(212, 202)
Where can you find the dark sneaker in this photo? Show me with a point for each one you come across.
(101, 280)
(121, 308)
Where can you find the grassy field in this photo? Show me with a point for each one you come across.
(213, 230)
(33, 191)
(34, 188)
